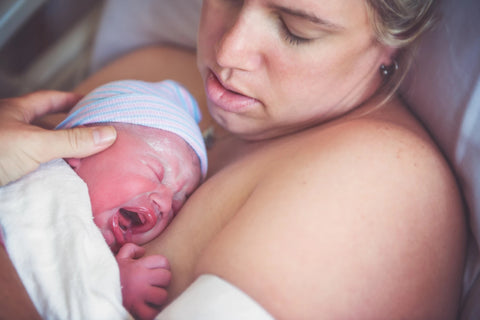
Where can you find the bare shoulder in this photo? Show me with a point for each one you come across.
(359, 220)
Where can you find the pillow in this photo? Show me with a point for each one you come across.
(443, 90)
(126, 25)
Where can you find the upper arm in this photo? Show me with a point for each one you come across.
(351, 226)
(14, 300)
(155, 63)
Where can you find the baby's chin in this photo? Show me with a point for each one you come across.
(110, 239)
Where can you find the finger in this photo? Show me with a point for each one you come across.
(156, 261)
(39, 103)
(155, 297)
(146, 312)
(131, 251)
(73, 143)
(159, 277)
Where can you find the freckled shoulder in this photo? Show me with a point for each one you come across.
(348, 222)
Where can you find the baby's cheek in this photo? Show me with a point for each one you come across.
(104, 227)
(105, 199)
(109, 238)
(177, 205)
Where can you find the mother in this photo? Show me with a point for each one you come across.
(326, 198)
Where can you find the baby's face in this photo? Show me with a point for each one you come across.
(139, 184)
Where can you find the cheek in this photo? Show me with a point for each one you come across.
(102, 220)
(110, 192)
(214, 23)
(115, 194)
(100, 199)
(206, 32)
(301, 86)
(324, 77)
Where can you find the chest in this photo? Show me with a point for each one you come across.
(231, 181)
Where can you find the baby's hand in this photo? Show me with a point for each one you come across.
(143, 281)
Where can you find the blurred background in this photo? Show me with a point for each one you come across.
(45, 44)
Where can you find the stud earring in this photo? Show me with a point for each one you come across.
(387, 71)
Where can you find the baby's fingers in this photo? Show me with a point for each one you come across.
(156, 261)
(156, 297)
(130, 251)
(146, 312)
(159, 277)
(153, 300)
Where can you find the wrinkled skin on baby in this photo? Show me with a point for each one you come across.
(136, 187)
(138, 184)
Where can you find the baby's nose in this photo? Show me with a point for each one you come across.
(162, 202)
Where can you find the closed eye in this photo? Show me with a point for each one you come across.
(290, 37)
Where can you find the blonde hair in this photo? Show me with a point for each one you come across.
(399, 24)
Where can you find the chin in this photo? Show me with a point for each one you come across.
(109, 239)
(256, 133)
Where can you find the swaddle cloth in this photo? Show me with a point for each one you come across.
(56, 248)
(212, 298)
(164, 105)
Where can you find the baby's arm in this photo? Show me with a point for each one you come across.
(143, 281)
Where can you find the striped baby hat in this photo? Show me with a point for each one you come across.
(164, 105)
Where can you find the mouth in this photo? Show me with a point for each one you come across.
(226, 97)
(128, 222)
(130, 217)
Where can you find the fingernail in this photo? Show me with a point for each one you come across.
(104, 135)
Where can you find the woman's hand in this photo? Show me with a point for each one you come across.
(23, 146)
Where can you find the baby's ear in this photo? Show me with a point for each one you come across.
(73, 162)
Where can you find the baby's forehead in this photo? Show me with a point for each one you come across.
(157, 139)
(148, 133)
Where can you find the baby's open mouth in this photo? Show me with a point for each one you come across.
(129, 221)
(130, 218)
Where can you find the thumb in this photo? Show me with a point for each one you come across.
(130, 250)
(74, 143)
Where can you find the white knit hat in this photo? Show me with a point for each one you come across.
(164, 105)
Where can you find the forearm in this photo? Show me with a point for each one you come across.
(152, 64)
(14, 300)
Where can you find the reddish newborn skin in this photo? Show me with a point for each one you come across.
(136, 187)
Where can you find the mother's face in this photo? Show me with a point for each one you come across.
(271, 67)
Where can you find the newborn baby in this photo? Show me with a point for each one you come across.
(137, 185)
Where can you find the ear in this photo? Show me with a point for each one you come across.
(388, 55)
(74, 162)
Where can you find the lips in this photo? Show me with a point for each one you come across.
(226, 99)
(127, 222)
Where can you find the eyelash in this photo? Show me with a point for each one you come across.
(290, 37)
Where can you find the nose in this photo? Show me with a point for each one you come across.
(162, 202)
(239, 47)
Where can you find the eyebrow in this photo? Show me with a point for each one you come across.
(308, 16)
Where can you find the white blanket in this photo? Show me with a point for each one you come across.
(59, 253)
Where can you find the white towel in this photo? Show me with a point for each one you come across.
(59, 253)
(212, 298)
